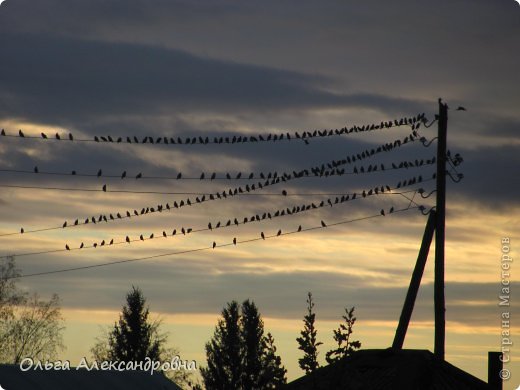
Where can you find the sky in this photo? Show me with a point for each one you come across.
(189, 69)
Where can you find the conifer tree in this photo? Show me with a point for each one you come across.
(240, 356)
(342, 337)
(308, 342)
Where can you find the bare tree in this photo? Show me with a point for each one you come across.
(33, 330)
(29, 326)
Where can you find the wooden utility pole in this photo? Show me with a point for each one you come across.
(439, 299)
(415, 282)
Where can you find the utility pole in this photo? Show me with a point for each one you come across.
(439, 298)
(415, 282)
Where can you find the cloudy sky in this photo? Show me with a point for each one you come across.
(243, 69)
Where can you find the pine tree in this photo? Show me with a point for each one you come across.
(253, 338)
(342, 337)
(308, 342)
(133, 337)
(224, 353)
(240, 356)
(273, 372)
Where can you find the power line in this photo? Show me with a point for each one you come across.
(213, 246)
(258, 217)
(414, 122)
(160, 208)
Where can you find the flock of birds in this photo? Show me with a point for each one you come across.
(262, 180)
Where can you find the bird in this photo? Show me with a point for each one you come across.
(111, 242)
(209, 226)
(262, 235)
(279, 232)
(323, 224)
(3, 132)
(20, 133)
(300, 228)
(102, 243)
(202, 176)
(151, 236)
(139, 175)
(58, 136)
(71, 137)
(460, 108)
(64, 224)
(104, 188)
(81, 246)
(128, 239)
(391, 209)
(35, 169)
(234, 240)
(141, 237)
(284, 193)
(44, 136)
(22, 231)
(214, 244)
(382, 212)
(179, 175)
(123, 175)
(67, 247)
(76, 221)
(164, 233)
(100, 172)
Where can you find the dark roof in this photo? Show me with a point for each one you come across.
(12, 378)
(388, 369)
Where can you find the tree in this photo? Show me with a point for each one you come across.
(240, 356)
(134, 338)
(29, 326)
(342, 337)
(308, 342)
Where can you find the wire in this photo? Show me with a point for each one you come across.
(211, 177)
(413, 122)
(219, 225)
(236, 242)
(160, 208)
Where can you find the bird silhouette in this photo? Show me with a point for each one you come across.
(202, 176)
(214, 244)
(20, 133)
(104, 188)
(391, 209)
(179, 175)
(128, 239)
(164, 233)
(100, 172)
(382, 212)
(300, 228)
(22, 231)
(139, 175)
(213, 175)
(102, 243)
(81, 246)
(71, 137)
(3, 132)
(323, 224)
(58, 136)
(44, 136)
(76, 221)
(460, 108)
(35, 169)
(209, 226)
(111, 242)
(123, 175)
(64, 224)
(141, 237)
(234, 240)
(67, 247)
(279, 232)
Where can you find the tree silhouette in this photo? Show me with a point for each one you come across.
(307, 342)
(133, 337)
(342, 337)
(240, 356)
(29, 326)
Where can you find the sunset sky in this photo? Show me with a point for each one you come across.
(222, 69)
